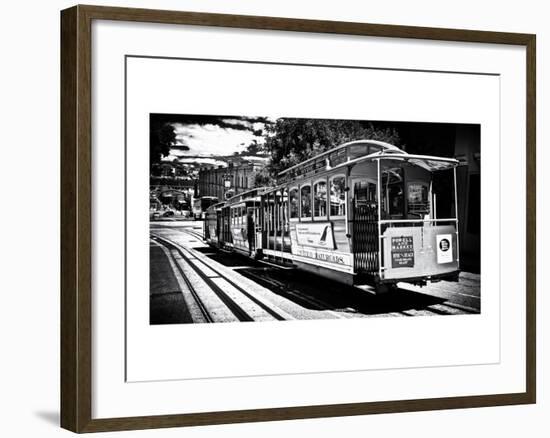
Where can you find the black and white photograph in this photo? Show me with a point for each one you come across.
(260, 218)
(266, 219)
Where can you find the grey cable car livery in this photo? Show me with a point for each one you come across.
(362, 213)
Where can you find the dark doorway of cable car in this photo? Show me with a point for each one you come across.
(219, 225)
(226, 226)
(254, 228)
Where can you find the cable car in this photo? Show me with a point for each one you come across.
(363, 213)
(200, 205)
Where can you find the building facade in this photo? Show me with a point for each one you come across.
(226, 181)
(172, 175)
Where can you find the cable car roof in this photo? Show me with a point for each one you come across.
(216, 206)
(350, 153)
(380, 145)
(257, 191)
(425, 161)
(430, 163)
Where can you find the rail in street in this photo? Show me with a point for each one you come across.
(213, 295)
(193, 283)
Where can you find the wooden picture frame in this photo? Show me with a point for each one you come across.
(76, 217)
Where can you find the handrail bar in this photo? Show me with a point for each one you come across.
(409, 221)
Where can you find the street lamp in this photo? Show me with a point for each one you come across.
(227, 178)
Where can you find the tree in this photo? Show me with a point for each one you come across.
(253, 148)
(263, 178)
(161, 137)
(291, 141)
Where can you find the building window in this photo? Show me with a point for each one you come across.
(320, 199)
(305, 197)
(338, 196)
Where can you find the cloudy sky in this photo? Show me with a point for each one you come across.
(212, 135)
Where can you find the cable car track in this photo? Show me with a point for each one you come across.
(294, 295)
(446, 308)
(195, 234)
(193, 292)
(452, 308)
(234, 307)
(306, 300)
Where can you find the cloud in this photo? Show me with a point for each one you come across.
(211, 134)
(255, 158)
(200, 160)
(215, 139)
(237, 123)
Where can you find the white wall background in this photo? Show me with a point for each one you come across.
(29, 168)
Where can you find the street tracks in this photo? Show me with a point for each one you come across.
(211, 295)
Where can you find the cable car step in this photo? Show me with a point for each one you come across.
(283, 264)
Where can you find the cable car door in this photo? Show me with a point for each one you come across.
(364, 225)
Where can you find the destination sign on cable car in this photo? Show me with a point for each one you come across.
(402, 252)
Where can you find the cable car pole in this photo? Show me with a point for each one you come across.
(456, 221)
(379, 224)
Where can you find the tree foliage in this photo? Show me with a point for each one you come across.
(162, 136)
(264, 178)
(291, 141)
(254, 148)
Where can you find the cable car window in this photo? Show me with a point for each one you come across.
(269, 214)
(305, 197)
(338, 196)
(374, 148)
(294, 203)
(417, 199)
(357, 150)
(285, 211)
(392, 189)
(320, 199)
(364, 191)
(277, 211)
(337, 157)
(396, 200)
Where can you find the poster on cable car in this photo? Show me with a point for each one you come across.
(316, 234)
(444, 248)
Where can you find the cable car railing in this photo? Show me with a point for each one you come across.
(416, 221)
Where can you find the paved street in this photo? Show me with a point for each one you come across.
(191, 282)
